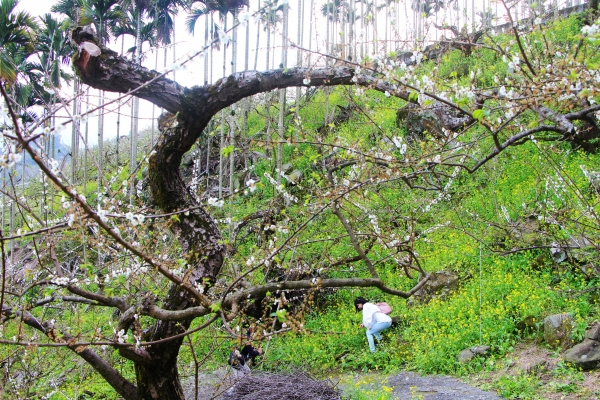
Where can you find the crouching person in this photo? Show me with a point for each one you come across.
(373, 319)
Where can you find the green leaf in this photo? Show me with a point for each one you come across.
(281, 315)
(413, 96)
(227, 151)
(175, 218)
(478, 114)
(214, 307)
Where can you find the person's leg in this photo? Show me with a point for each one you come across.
(370, 340)
(374, 331)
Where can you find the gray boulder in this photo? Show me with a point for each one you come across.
(558, 329)
(586, 355)
(468, 354)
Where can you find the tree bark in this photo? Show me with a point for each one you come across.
(191, 109)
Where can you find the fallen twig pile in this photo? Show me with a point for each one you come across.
(267, 386)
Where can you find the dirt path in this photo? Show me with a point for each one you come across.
(404, 386)
(409, 385)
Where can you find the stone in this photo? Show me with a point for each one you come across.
(557, 330)
(585, 355)
(527, 324)
(468, 354)
(593, 331)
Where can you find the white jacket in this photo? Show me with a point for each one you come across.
(372, 314)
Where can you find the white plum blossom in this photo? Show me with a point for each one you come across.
(502, 91)
(134, 219)
(121, 336)
(54, 164)
(244, 17)
(513, 64)
(223, 37)
(590, 30)
(102, 214)
(387, 94)
(65, 203)
(399, 144)
(213, 201)
(306, 81)
(13, 159)
(251, 183)
(417, 57)
(80, 118)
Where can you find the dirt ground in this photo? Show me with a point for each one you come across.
(404, 385)
(556, 382)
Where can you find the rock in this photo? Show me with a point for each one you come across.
(534, 367)
(593, 331)
(557, 330)
(468, 354)
(409, 385)
(439, 286)
(527, 324)
(586, 355)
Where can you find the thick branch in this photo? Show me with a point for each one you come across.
(111, 375)
(559, 119)
(107, 301)
(113, 73)
(261, 290)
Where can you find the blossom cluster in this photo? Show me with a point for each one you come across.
(10, 157)
(280, 188)
(213, 201)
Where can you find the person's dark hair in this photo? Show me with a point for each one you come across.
(359, 300)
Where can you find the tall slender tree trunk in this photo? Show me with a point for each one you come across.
(257, 42)
(374, 23)
(268, 95)
(100, 137)
(174, 50)
(222, 142)
(86, 144)
(133, 143)
(387, 25)
(362, 30)
(208, 22)
(75, 129)
(351, 37)
(310, 30)
(282, 92)
(118, 113)
(153, 106)
(299, 40)
(246, 103)
(233, 108)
